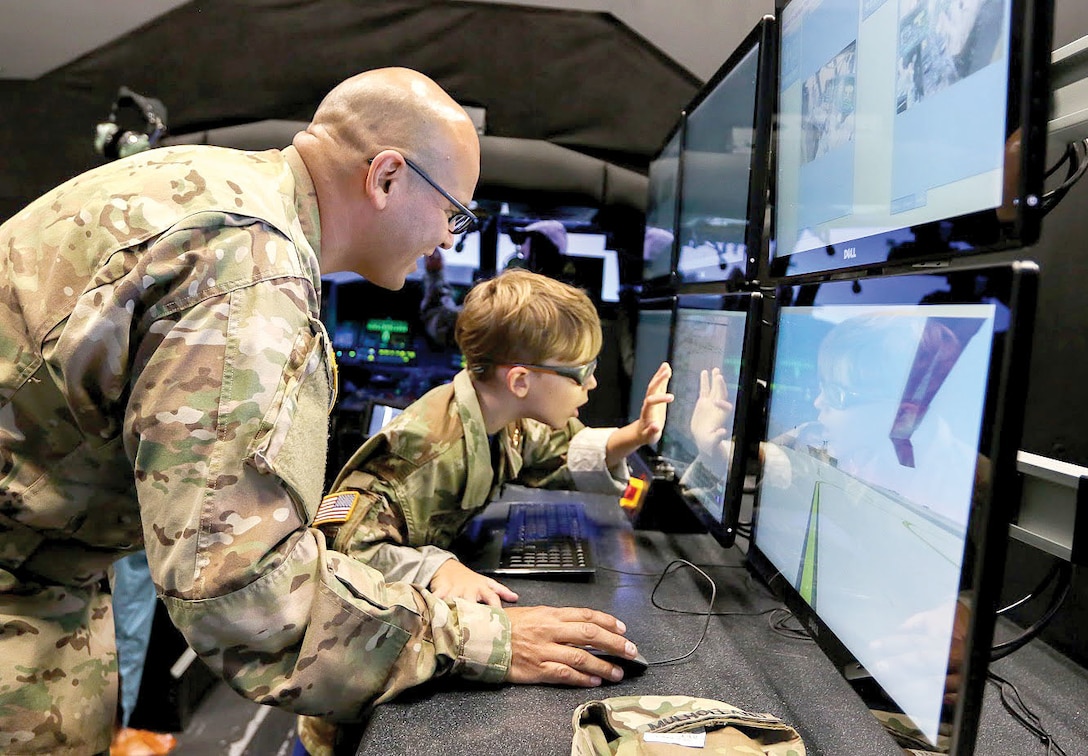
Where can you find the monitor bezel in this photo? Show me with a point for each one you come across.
(1027, 109)
(987, 531)
(665, 284)
(724, 529)
(764, 35)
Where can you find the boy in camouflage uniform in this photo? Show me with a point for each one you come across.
(530, 345)
(165, 384)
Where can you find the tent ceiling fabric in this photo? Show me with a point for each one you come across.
(511, 169)
(578, 79)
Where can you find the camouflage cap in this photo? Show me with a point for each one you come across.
(671, 725)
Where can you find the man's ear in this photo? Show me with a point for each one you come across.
(386, 169)
(517, 381)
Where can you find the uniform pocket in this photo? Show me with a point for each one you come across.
(292, 440)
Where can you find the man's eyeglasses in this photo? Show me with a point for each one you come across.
(580, 374)
(460, 222)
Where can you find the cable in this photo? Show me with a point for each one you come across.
(1065, 573)
(1010, 699)
(1036, 591)
(710, 605)
(780, 627)
(1078, 164)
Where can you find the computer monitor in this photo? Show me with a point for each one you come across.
(889, 476)
(724, 187)
(587, 263)
(662, 201)
(653, 331)
(380, 415)
(908, 132)
(705, 441)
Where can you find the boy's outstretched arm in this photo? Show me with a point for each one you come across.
(647, 429)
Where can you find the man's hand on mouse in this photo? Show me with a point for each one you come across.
(545, 640)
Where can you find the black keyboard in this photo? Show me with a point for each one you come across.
(546, 538)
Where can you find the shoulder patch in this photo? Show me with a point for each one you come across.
(336, 508)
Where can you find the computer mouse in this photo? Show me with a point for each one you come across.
(631, 667)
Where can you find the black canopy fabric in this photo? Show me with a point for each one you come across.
(581, 80)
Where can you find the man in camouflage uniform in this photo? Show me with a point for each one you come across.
(165, 383)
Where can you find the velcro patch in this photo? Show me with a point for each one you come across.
(335, 509)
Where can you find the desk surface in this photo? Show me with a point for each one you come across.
(742, 661)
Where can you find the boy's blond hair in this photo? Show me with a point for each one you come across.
(520, 316)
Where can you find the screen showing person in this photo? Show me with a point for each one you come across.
(877, 470)
(714, 340)
(901, 133)
(652, 338)
(662, 196)
(724, 179)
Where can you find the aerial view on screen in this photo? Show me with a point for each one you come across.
(892, 114)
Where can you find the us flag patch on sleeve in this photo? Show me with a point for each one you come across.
(335, 509)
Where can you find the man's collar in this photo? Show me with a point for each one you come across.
(305, 199)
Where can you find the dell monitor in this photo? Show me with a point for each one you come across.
(724, 186)
(907, 132)
(704, 444)
(662, 199)
(888, 479)
(653, 330)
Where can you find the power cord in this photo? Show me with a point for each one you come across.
(1076, 154)
(1010, 699)
(1062, 574)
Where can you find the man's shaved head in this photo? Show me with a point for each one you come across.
(377, 216)
(392, 108)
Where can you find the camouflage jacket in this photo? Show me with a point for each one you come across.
(165, 382)
(428, 471)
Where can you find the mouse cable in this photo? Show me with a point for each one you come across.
(657, 574)
(1029, 720)
(1065, 574)
(710, 605)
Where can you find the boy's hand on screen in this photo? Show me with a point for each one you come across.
(652, 418)
(545, 644)
(455, 580)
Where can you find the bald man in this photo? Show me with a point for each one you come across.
(166, 384)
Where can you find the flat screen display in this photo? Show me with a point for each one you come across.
(652, 338)
(908, 130)
(380, 415)
(662, 198)
(583, 245)
(883, 503)
(714, 342)
(723, 196)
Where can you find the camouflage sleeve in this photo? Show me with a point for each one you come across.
(375, 533)
(227, 413)
(570, 457)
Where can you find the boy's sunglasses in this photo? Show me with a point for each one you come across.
(580, 374)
